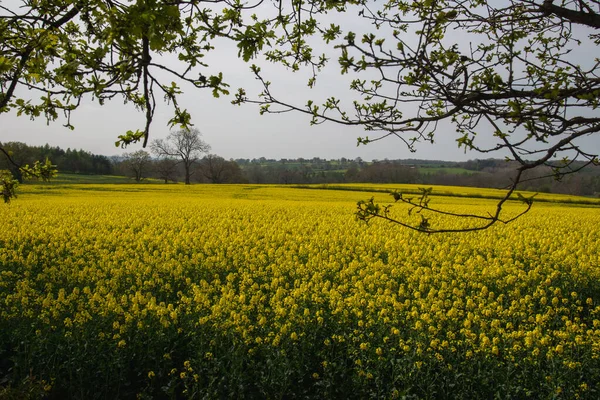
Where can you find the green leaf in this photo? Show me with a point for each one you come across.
(128, 138)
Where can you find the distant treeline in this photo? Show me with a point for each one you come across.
(492, 173)
(72, 161)
(488, 173)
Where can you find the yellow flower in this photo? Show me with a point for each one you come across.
(559, 349)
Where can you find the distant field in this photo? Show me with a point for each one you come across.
(269, 291)
(450, 191)
(63, 178)
(71, 183)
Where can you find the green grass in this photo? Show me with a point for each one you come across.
(64, 178)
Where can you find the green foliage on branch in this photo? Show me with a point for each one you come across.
(56, 54)
(39, 170)
(9, 185)
(368, 210)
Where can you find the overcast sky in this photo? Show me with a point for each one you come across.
(235, 131)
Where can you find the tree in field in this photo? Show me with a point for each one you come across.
(54, 55)
(185, 145)
(519, 78)
(218, 170)
(166, 169)
(138, 163)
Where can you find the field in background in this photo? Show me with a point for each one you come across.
(452, 191)
(70, 179)
(71, 182)
(269, 292)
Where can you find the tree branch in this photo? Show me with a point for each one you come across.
(579, 17)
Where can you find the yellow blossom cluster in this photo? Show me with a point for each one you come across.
(266, 291)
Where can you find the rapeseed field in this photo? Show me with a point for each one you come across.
(167, 291)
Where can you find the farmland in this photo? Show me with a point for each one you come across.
(172, 291)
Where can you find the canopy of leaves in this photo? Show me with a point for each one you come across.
(64, 50)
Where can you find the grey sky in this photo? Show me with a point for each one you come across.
(232, 131)
(239, 131)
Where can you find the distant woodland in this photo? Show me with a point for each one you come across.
(488, 173)
(73, 161)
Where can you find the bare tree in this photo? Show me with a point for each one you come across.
(166, 169)
(218, 170)
(138, 162)
(186, 145)
(213, 168)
